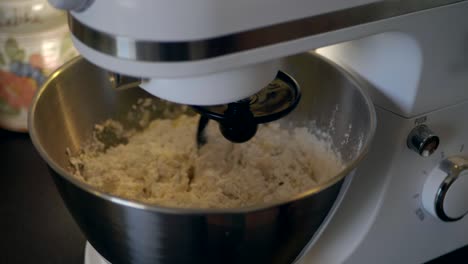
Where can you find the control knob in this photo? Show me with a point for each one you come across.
(423, 141)
(445, 193)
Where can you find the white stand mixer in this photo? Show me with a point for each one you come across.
(401, 206)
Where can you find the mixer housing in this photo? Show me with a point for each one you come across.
(409, 53)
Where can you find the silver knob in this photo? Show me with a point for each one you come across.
(445, 193)
(423, 141)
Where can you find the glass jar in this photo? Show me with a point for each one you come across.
(34, 41)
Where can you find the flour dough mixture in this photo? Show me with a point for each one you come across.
(161, 165)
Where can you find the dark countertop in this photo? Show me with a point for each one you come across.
(34, 223)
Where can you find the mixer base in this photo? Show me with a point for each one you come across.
(91, 256)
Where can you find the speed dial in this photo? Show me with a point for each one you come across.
(445, 193)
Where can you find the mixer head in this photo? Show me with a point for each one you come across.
(199, 59)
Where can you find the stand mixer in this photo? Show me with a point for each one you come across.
(407, 200)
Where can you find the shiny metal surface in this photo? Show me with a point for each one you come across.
(453, 166)
(80, 95)
(141, 50)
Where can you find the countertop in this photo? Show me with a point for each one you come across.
(35, 225)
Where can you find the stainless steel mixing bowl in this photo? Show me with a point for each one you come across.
(79, 95)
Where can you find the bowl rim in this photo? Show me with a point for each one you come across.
(355, 80)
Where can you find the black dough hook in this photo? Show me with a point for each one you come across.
(238, 121)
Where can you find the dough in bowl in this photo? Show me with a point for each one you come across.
(162, 165)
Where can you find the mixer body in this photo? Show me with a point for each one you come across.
(409, 56)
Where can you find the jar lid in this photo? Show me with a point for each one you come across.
(29, 16)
